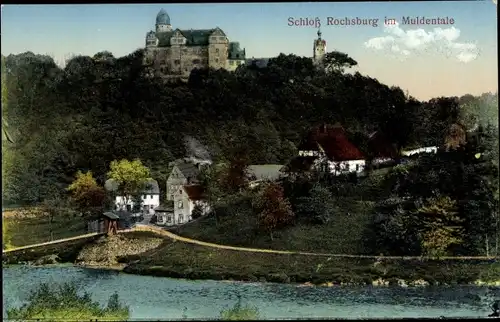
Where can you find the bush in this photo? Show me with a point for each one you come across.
(64, 302)
(239, 312)
(6, 239)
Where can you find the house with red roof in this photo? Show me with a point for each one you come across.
(381, 150)
(328, 148)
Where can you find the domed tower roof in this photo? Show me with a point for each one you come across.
(162, 18)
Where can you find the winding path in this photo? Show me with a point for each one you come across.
(175, 237)
(168, 234)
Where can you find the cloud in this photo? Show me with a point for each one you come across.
(404, 43)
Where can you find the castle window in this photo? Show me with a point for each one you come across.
(216, 60)
(217, 50)
(177, 61)
(196, 61)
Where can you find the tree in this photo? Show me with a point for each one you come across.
(274, 209)
(89, 197)
(197, 212)
(130, 176)
(318, 206)
(441, 227)
(337, 61)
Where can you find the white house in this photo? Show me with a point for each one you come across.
(332, 151)
(186, 199)
(184, 172)
(150, 196)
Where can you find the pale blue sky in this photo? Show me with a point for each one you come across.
(61, 30)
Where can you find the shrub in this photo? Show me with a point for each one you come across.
(64, 302)
(239, 312)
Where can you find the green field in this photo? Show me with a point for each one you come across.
(39, 229)
(342, 235)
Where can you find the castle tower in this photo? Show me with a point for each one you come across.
(319, 48)
(163, 22)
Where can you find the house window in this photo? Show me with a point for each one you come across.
(231, 62)
(179, 204)
(237, 56)
(347, 166)
(150, 196)
(177, 61)
(151, 207)
(171, 197)
(216, 60)
(357, 167)
(144, 197)
(196, 61)
(169, 219)
(221, 38)
(181, 218)
(216, 50)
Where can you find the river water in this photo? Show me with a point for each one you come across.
(166, 298)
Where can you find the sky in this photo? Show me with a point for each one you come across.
(428, 60)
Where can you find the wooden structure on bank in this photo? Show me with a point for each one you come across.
(110, 223)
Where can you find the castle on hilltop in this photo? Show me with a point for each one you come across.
(175, 52)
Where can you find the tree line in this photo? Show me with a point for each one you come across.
(100, 109)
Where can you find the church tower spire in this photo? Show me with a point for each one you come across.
(319, 48)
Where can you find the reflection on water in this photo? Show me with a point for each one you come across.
(164, 298)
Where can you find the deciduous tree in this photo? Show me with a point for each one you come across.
(89, 197)
(274, 209)
(130, 176)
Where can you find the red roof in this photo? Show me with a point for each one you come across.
(380, 146)
(333, 140)
(194, 192)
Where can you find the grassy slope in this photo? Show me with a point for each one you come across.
(181, 260)
(343, 234)
(27, 231)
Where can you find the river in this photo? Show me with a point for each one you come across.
(166, 298)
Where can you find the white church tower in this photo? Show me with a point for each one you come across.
(319, 48)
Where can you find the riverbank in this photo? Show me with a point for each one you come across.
(182, 260)
(146, 253)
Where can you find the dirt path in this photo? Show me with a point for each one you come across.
(51, 242)
(173, 236)
(272, 251)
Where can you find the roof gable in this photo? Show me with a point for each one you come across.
(380, 147)
(217, 32)
(333, 141)
(176, 173)
(188, 170)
